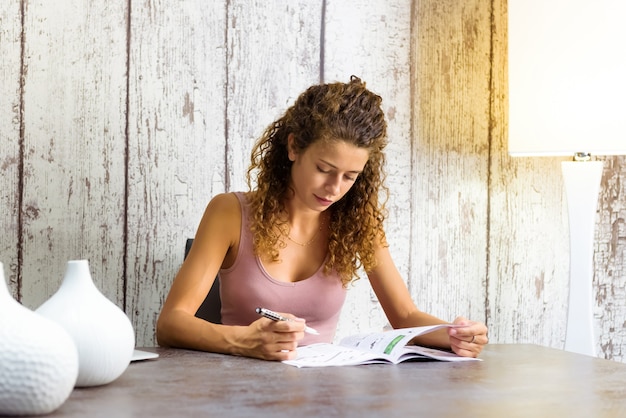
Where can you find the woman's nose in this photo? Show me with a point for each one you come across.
(333, 185)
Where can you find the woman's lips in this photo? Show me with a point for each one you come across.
(322, 201)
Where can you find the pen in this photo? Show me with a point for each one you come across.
(277, 317)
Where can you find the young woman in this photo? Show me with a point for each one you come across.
(294, 243)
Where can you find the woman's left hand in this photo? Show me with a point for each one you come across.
(469, 339)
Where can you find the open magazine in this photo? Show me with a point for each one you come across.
(381, 347)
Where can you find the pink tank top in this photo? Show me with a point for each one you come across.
(246, 285)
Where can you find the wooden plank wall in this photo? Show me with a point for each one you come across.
(10, 142)
(119, 124)
(451, 157)
(528, 230)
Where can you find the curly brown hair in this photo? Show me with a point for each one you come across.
(333, 112)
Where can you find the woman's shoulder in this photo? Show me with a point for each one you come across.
(224, 206)
(230, 199)
(223, 199)
(222, 216)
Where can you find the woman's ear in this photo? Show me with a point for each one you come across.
(291, 147)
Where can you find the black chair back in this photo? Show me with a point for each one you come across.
(211, 309)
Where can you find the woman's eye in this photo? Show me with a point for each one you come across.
(328, 171)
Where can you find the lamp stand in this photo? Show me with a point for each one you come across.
(582, 187)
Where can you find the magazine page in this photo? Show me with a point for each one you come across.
(390, 343)
(324, 355)
(381, 347)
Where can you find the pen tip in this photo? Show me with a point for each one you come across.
(258, 310)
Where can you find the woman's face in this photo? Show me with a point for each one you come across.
(324, 172)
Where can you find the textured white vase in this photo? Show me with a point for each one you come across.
(102, 332)
(38, 359)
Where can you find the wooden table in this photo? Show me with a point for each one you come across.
(512, 381)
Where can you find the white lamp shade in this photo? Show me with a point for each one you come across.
(567, 77)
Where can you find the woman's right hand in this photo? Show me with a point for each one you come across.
(272, 340)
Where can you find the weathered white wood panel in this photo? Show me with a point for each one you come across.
(74, 104)
(273, 55)
(376, 49)
(451, 72)
(176, 142)
(528, 253)
(529, 241)
(10, 158)
(610, 261)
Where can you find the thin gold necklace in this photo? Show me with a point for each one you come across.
(309, 241)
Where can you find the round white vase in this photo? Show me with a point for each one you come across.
(102, 332)
(38, 359)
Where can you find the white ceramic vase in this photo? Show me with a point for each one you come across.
(102, 332)
(38, 359)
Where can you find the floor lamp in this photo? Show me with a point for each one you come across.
(567, 97)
